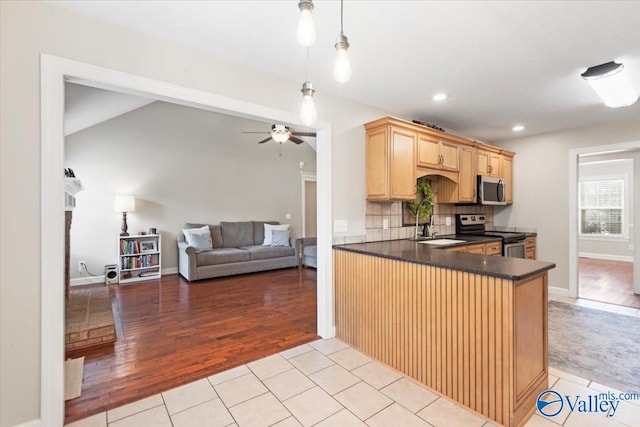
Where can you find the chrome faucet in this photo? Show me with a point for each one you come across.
(422, 202)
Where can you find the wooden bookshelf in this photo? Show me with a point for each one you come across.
(139, 258)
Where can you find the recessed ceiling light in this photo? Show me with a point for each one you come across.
(517, 128)
(439, 96)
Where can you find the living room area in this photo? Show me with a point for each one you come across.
(183, 165)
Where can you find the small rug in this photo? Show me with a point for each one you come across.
(601, 346)
(89, 318)
(73, 369)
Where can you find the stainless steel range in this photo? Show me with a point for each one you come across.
(474, 225)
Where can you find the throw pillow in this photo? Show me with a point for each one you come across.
(199, 238)
(279, 237)
(267, 232)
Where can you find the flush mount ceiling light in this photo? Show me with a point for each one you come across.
(342, 67)
(306, 29)
(439, 97)
(517, 128)
(611, 84)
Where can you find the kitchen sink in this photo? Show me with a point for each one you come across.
(441, 241)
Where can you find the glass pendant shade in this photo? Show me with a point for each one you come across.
(308, 113)
(342, 67)
(306, 30)
(611, 84)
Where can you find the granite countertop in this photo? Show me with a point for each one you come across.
(438, 256)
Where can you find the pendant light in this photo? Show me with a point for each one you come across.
(342, 68)
(611, 84)
(306, 29)
(308, 113)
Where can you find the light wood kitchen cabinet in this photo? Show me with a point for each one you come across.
(463, 191)
(506, 173)
(390, 164)
(398, 152)
(437, 153)
(491, 248)
(488, 161)
(530, 247)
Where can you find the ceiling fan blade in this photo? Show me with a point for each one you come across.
(264, 140)
(304, 133)
(296, 140)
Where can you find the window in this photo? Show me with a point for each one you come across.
(602, 207)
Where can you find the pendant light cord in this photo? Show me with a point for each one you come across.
(341, 16)
(308, 64)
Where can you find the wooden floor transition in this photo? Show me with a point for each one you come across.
(171, 333)
(607, 281)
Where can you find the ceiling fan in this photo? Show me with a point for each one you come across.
(281, 133)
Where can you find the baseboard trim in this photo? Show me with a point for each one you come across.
(561, 292)
(608, 257)
(79, 281)
(33, 423)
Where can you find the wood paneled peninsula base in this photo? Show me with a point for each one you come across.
(471, 327)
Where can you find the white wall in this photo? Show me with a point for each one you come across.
(182, 165)
(541, 186)
(28, 29)
(603, 167)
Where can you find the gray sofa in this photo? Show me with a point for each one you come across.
(307, 246)
(237, 249)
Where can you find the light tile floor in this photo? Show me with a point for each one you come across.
(328, 383)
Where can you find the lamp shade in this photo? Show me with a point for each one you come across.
(124, 203)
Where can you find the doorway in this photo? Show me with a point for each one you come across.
(54, 72)
(309, 204)
(603, 210)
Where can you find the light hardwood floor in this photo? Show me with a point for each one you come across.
(607, 281)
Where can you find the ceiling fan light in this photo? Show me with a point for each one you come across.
(306, 30)
(308, 114)
(342, 67)
(611, 83)
(280, 133)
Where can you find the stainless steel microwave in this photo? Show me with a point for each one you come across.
(491, 190)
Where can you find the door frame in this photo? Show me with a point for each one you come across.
(54, 71)
(306, 176)
(573, 211)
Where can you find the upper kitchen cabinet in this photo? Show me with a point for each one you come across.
(398, 152)
(488, 160)
(390, 162)
(437, 153)
(506, 173)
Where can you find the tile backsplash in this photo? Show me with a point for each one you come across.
(377, 213)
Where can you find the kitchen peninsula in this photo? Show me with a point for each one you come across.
(472, 327)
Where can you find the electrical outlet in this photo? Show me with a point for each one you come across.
(385, 224)
(287, 216)
(447, 220)
(81, 266)
(630, 247)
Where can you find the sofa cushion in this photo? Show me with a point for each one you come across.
(258, 231)
(216, 234)
(199, 238)
(280, 238)
(222, 256)
(268, 228)
(268, 252)
(236, 234)
(310, 251)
